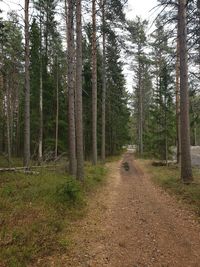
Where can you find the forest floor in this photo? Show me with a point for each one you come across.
(132, 222)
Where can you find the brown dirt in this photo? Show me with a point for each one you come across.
(132, 223)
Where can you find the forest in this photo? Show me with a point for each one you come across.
(67, 111)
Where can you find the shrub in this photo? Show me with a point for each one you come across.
(70, 191)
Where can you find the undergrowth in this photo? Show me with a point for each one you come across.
(36, 212)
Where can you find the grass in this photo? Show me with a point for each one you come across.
(36, 212)
(14, 162)
(168, 177)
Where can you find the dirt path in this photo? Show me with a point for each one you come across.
(132, 223)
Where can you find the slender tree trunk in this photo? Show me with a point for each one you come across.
(195, 134)
(71, 93)
(27, 90)
(79, 105)
(140, 109)
(17, 132)
(166, 135)
(186, 169)
(1, 125)
(178, 139)
(57, 108)
(8, 124)
(103, 137)
(17, 120)
(94, 85)
(40, 153)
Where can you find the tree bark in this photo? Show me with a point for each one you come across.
(57, 108)
(40, 154)
(79, 105)
(178, 139)
(94, 85)
(27, 90)
(186, 169)
(103, 137)
(140, 107)
(71, 93)
(8, 123)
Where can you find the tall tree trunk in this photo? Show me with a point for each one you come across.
(195, 133)
(8, 123)
(94, 85)
(79, 105)
(186, 169)
(103, 131)
(27, 90)
(57, 108)
(40, 149)
(71, 93)
(140, 109)
(166, 134)
(178, 139)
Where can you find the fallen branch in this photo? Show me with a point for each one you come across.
(16, 169)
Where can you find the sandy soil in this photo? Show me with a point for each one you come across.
(132, 223)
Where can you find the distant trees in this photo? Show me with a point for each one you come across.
(11, 52)
(139, 41)
(168, 90)
(89, 87)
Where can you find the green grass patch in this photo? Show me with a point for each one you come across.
(36, 212)
(168, 177)
(15, 162)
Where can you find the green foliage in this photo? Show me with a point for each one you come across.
(94, 176)
(157, 81)
(161, 135)
(70, 191)
(118, 113)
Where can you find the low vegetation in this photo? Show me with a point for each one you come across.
(36, 212)
(168, 177)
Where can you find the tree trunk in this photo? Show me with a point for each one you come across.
(103, 137)
(71, 94)
(94, 85)
(79, 105)
(57, 108)
(166, 135)
(195, 134)
(186, 169)
(40, 154)
(140, 109)
(27, 90)
(8, 124)
(178, 139)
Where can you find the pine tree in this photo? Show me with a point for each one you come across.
(71, 91)
(79, 108)
(186, 169)
(94, 84)
(27, 90)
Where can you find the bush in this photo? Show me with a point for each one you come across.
(70, 191)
